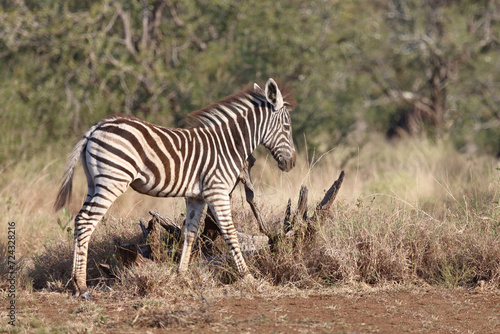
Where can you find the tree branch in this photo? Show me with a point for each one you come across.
(125, 17)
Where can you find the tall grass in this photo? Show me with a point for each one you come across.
(411, 211)
(362, 243)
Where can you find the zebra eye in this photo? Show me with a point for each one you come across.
(286, 127)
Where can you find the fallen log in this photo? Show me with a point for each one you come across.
(132, 254)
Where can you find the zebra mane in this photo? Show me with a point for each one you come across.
(229, 108)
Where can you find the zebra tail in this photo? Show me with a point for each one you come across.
(64, 194)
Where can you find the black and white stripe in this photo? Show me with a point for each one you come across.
(201, 163)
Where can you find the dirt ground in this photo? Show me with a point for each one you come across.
(419, 310)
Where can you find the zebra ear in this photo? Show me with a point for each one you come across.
(273, 94)
(257, 89)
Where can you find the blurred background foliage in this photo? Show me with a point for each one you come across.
(427, 68)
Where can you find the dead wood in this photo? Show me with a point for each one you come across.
(106, 269)
(172, 228)
(302, 205)
(300, 227)
(153, 237)
(330, 195)
(246, 179)
(132, 254)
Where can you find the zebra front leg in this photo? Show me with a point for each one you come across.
(221, 207)
(194, 210)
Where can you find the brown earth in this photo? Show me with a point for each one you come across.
(429, 310)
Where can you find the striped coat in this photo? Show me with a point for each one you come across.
(201, 163)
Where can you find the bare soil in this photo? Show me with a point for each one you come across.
(421, 310)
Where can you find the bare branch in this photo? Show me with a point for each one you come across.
(125, 17)
(158, 12)
(178, 22)
(145, 25)
(246, 180)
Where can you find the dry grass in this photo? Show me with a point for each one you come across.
(410, 212)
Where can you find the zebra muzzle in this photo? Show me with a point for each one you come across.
(286, 165)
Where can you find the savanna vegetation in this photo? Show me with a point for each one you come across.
(394, 67)
(401, 95)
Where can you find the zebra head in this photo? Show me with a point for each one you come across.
(277, 137)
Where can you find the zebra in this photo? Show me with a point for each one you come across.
(200, 163)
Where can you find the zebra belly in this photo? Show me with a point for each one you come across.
(171, 190)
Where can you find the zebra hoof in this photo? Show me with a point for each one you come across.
(85, 296)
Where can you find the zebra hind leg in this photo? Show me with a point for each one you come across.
(90, 215)
(194, 210)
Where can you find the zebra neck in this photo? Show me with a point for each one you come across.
(237, 137)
